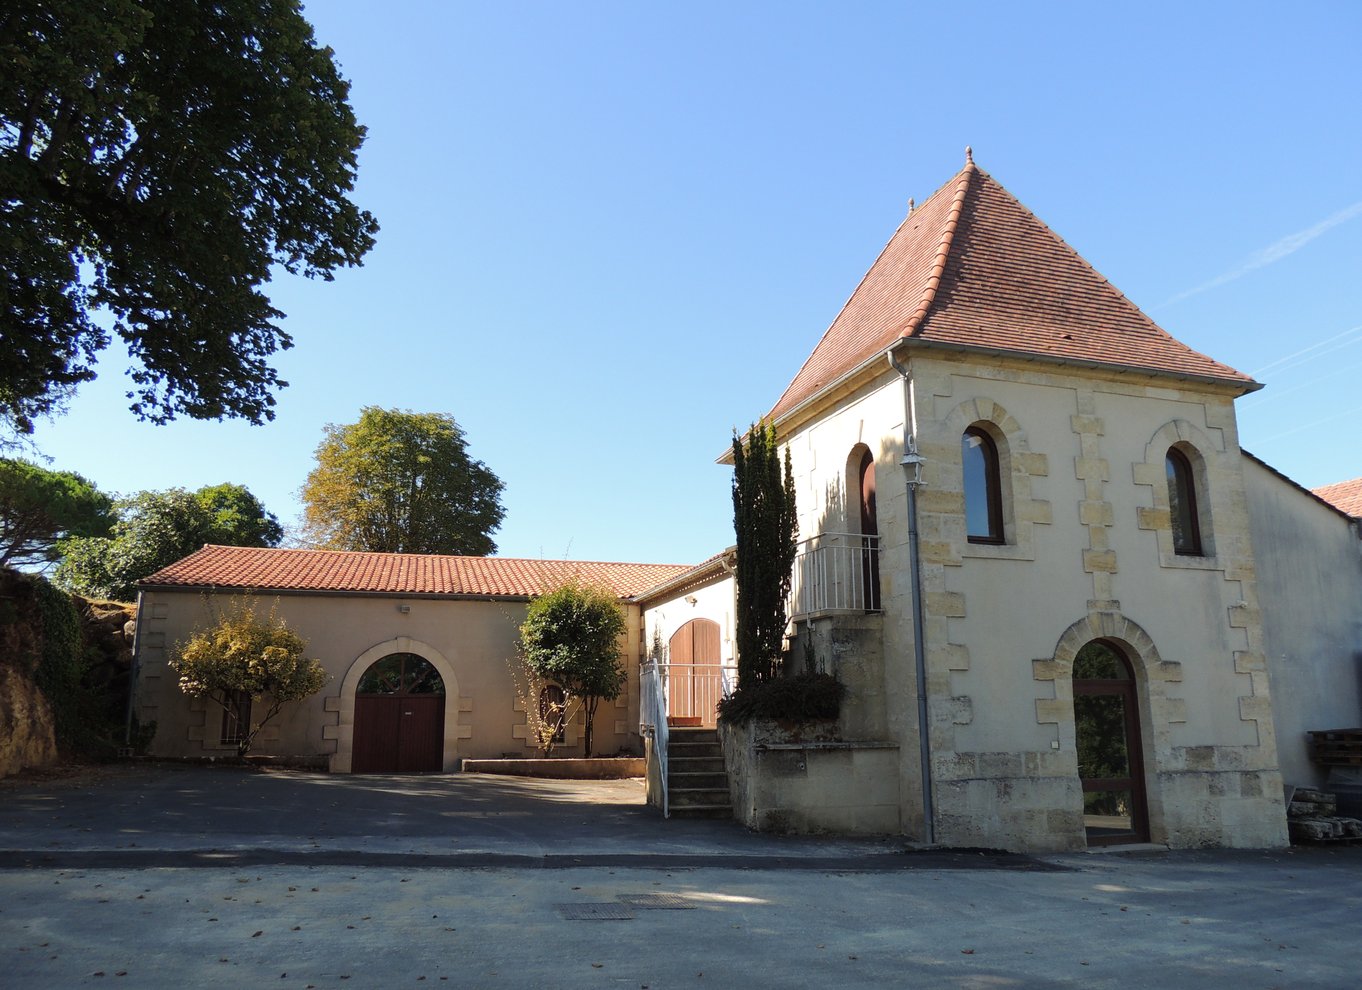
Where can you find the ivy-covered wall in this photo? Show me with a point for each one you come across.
(64, 664)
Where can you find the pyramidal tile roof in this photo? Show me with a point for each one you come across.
(1346, 496)
(339, 571)
(973, 268)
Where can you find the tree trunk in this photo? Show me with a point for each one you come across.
(590, 709)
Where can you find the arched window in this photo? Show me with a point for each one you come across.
(983, 493)
(861, 489)
(401, 673)
(1182, 504)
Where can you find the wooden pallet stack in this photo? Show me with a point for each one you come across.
(1336, 747)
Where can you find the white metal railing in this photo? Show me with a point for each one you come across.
(653, 718)
(836, 572)
(695, 689)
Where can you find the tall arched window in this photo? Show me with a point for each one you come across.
(869, 528)
(1182, 504)
(983, 493)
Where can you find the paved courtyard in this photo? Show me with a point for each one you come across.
(175, 877)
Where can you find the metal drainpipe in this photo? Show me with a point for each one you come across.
(132, 673)
(912, 466)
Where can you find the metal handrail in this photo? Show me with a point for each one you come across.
(653, 718)
(835, 572)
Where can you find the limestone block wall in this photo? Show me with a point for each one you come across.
(873, 654)
(851, 647)
(1089, 556)
(810, 786)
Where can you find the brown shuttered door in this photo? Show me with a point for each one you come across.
(694, 693)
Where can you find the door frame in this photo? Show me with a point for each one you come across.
(343, 732)
(1135, 784)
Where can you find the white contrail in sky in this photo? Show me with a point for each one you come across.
(1272, 253)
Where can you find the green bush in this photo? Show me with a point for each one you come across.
(802, 698)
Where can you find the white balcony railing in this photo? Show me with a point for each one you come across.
(836, 572)
(695, 689)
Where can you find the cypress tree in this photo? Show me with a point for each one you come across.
(766, 528)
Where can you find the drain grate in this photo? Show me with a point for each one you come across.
(595, 912)
(658, 902)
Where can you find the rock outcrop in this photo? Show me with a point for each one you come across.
(28, 724)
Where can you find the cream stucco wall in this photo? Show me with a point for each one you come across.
(712, 600)
(1310, 584)
(1088, 555)
(469, 642)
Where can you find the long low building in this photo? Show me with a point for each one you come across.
(419, 650)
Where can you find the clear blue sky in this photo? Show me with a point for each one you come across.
(613, 231)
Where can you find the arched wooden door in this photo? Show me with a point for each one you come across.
(1107, 730)
(870, 532)
(694, 681)
(399, 717)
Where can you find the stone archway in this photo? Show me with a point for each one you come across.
(1109, 747)
(344, 730)
(1154, 682)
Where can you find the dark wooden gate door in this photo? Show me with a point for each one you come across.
(1110, 764)
(399, 718)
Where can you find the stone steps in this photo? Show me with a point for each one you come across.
(697, 783)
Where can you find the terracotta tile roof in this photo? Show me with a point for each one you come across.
(397, 573)
(701, 573)
(972, 267)
(1346, 496)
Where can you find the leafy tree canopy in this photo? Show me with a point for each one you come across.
(766, 527)
(571, 636)
(157, 157)
(401, 482)
(154, 529)
(39, 508)
(245, 654)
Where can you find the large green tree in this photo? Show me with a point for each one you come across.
(155, 529)
(570, 637)
(766, 527)
(39, 508)
(157, 158)
(400, 482)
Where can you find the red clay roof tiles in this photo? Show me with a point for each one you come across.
(1346, 496)
(971, 267)
(335, 571)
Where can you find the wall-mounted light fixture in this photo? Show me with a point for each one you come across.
(404, 608)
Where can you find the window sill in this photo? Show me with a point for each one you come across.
(1187, 562)
(998, 551)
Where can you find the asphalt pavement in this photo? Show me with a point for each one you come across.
(173, 876)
